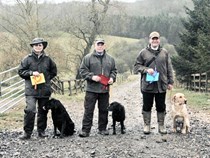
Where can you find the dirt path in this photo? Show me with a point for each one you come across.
(132, 144)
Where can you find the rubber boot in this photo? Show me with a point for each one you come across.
(147, 120)
(161, 118)
(25, 136)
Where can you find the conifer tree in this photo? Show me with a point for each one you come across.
(194, 49)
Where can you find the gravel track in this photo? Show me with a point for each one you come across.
(132, 144)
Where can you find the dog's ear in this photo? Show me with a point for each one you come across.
(174, 98)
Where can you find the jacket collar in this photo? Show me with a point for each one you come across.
(154, 51)
(97, 54)
(38, 56)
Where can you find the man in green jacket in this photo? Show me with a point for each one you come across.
(99, 71)
(154, 64)
(33, 66)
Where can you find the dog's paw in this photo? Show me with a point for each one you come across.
(183, 131)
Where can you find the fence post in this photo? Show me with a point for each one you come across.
(199, 84)
(62, 87)
(70, 90)
(75, 85)
(206, 89)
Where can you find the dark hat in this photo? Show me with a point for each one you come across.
(99, 40)
(154, 34)
(37, 41)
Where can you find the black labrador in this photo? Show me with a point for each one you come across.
(61, 118)
(118, 115)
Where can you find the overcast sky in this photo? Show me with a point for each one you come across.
(60, 1)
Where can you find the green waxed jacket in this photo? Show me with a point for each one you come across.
(162, 64)
(94, 64)
(44, 65)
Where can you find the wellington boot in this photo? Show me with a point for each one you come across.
(147, 120)
(161, 118)
(25, 136)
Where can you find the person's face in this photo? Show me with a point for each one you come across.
(155, 42)
(99, 47)
(38, 47)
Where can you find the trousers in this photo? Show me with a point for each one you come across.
(148, 100)
(30, 113)
(89, 106)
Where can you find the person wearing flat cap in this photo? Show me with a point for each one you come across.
(37, 69)
(99, 71)
(154, 65)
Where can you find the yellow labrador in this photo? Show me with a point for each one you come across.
(181, 121)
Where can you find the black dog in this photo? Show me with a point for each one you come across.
(118, 115)
(61, 118)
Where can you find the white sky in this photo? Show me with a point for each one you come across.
(60, 1)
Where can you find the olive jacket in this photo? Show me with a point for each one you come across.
(161, 63)
(94, 64)
(44, 64)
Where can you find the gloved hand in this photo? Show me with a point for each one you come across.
(96, 78)
(110, 81)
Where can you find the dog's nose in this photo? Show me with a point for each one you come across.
(185, 101)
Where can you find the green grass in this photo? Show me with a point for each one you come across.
(12, 119)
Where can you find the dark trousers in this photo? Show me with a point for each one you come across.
(89, 105)
(148, 99)
(30, 111)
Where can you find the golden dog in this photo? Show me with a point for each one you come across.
(180, 114)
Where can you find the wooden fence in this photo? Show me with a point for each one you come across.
(200, 82)
(72, 86)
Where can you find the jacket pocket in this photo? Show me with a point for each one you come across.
(164, 86)
(147, 86)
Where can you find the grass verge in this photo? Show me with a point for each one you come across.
(195, 100)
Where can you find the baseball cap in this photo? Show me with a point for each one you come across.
(154, 34)
(99, 40)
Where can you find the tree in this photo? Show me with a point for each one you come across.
(86, 27)
(125, 54)
(193, 51)
(21, 23)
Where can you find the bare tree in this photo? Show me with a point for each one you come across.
(22, 21)
(86, 27)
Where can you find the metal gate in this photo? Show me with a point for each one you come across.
(11, 89)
